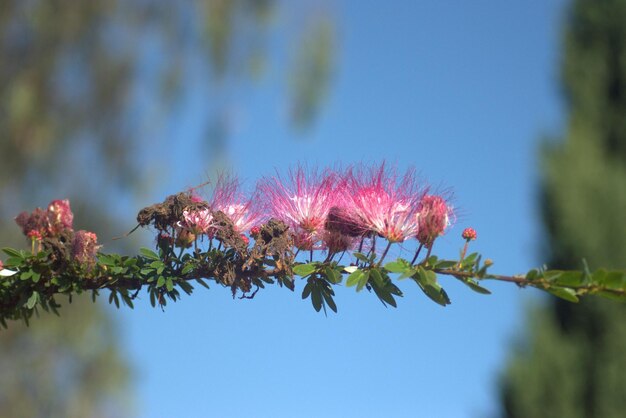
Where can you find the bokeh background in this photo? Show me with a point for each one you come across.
(517, 108)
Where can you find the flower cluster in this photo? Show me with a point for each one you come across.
(53, 229)
(328, 210)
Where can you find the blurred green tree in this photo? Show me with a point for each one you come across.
(75, 81)
(572, 362)
(64, 367)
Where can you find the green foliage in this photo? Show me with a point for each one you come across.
(34, 281)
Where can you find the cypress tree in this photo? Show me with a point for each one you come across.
(572, 361)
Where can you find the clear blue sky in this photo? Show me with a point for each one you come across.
(462, 91)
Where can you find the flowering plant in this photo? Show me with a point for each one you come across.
(324, 227)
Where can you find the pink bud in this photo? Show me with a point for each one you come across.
(34, 234)
(245, 239)
(469, 234)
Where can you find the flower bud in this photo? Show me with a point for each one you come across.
(245, 239)
(469, 234)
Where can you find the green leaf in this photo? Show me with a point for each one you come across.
(329, 301)
(383, 293)
(186, 286)
(377, 277)
(117, 270)
(333, 275)
(446, 264)
(564, 293)
(427, 281)
(130, 262)
(106, 260)
(156, 264)
(305, 269)
(470, 260)
(569, 279)
(398, 266)
(160, 281)
(202, 282)
(307, 290)
(169, 284)
(13, 262)
(316, 298)
(32, 300)
(615, 280)
(354, 278)
(362, 257)
(187, 268)
(363, 281)
(148, 253)
(473, 284)
(13, 253)
(35, 277)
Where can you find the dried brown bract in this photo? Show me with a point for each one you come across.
(169, 212)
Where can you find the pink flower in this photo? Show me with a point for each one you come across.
(85, 247)
(244, 212)
(34, 224)
(40, 223)
(60, 215)
(381, 202)
(197, 221)
(433, 217)
(302, 201)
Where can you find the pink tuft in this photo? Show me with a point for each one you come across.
(383, 203)
(302, 201)
(228, 198)
(433, 218)
(85, 247)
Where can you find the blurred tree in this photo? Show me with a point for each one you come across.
(64, 367)
(572, 363)
(85, 92)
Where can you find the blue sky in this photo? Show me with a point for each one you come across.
(463, 91)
